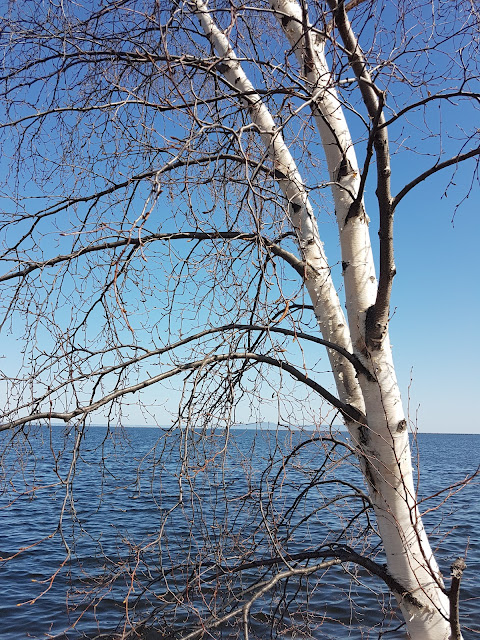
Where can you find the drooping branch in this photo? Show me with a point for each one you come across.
(447, 95)
(349, 412)
(150, 174)
(129, 102)
(258, 590)
(134, 241)
(334, 555)
(340, 552)
(149, 354)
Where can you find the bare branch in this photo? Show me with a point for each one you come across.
(349, 412)
(458, 567)
(438, 166)
(134, 241)
(151, 353)
(341, 553)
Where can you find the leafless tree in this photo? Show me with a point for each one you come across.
(166, 167)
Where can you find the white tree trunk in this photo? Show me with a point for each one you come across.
(319, 283)
(383, 443)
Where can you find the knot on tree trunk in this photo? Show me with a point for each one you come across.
(376, 327)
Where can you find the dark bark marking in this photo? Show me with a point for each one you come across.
(344, 169)
(308, 61)
(279, 175)
(363, 435)
(375, 331)
(356, 210)
(222, 67)
(296, 207)
(369, 475)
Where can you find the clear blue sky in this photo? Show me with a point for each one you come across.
(437, 306)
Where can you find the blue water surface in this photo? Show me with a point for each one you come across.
(125, 488)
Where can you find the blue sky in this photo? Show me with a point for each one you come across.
(436, 298)
(435, 311)
(437, 306)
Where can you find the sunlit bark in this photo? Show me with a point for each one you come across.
(383, 442)
(318, 280)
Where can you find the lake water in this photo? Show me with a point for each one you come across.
(268, 494)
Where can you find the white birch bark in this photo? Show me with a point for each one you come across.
(318, 279)
(385, 443)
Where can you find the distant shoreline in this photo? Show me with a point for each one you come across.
(271, 427)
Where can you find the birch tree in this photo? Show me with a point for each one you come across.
(134, 128)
